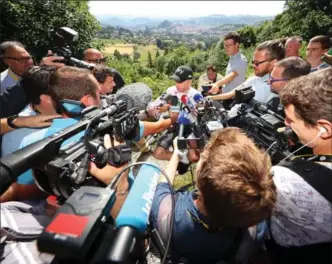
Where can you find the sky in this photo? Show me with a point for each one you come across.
(185, 9)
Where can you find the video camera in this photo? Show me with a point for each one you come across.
(202, 120)
(261, 124)
(82, 229)
(61, 171)
(63, 38)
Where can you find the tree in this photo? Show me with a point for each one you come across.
(157, 54)
(34, 22)
(306, 18)
(117, 54)
(150, 62)
(136, 56)
(248, 36)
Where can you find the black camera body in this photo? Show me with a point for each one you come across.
(63, 38)
(61, 175)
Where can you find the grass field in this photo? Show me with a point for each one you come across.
(112, 45)
(122, 48)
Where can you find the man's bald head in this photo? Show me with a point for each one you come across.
(293, 46)
(93, 56)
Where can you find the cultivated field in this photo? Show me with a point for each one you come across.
(122, 48)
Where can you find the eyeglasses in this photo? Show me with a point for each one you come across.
(21, 60)
(272, 80)
(256, 63)
(98, 60)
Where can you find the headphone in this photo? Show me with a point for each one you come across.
(322, 130)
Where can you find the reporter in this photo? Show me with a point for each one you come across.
(234, 191)
(301, 222)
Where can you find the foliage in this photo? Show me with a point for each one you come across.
(248, 36)
(33, 23)
(150, 62)
(307, 18)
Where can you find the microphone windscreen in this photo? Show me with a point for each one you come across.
(139, 92)
(174, 100)
(198, 97)
(185, 99)
(183, 119)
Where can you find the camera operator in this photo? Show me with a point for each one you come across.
(65, 83)
(266, 55)
(105, 77)
(233, 193)
(301, 223)
(96, 57)
(284, 71)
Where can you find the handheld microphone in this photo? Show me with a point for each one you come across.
(186, 118)
(133, 218)
(136, 209)
(187, 102)
(198, 98)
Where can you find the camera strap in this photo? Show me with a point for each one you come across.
(118, 155)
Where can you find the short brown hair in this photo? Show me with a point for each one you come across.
(72, 83)
(101, 72)
(311, 96)
(274, 48)
(234, 36)
(294, 67)
(235, 180)
(324, 41)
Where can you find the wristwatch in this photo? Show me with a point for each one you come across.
(10, 120)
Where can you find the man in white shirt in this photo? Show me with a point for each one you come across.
(13, 54)
(266, 55)
(183, 80)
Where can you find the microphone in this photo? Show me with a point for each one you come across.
(133, 217)
(186, 118)
(198, 98)
(187, 102)
(136, 208)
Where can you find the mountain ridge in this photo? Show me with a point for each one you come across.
(143, 21)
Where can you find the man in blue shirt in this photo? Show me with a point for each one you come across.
(234, 191)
